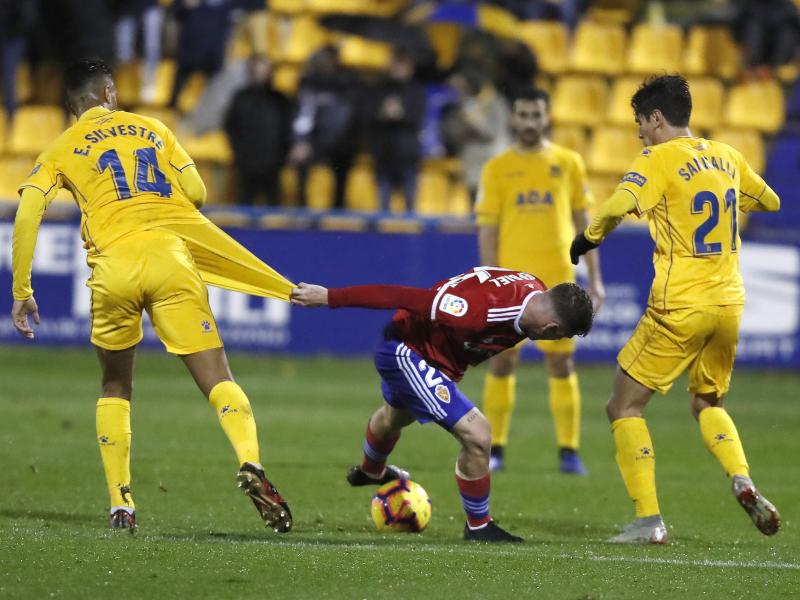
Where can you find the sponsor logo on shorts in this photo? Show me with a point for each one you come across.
(636, 178)
(453, 305)
(206, 326)
(442, 393)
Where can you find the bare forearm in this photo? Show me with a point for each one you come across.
(487, 245)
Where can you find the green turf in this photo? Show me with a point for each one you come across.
(199, 538)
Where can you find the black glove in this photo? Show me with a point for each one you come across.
(580, 246)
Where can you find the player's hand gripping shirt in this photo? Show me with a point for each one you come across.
(459, 322)
(691, 190)
(530, 197)
(122, 169)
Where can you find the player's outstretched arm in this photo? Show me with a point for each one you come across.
(20, 311)
(605, 221)
(308, 294)
(768, 201)
(26, 229)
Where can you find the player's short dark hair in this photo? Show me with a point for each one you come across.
(573, 308)
(667, 93)
(531, 94)
(84, 71)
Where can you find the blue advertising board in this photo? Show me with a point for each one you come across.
(769, 334)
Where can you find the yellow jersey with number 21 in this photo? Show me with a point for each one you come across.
(691, 190)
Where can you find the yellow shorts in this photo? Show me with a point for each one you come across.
(666, 343)
(552, 268)
(152, 271)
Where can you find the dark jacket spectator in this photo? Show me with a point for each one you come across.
(325, 126)
(394, 113)
(258, 124)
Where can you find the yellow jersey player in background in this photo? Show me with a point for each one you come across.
(533, 197)
(150, 249)
(691, 190)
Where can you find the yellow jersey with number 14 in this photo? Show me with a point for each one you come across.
(530, 197)
(122, 169)
(690, 190)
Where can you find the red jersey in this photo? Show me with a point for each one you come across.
(460, 321)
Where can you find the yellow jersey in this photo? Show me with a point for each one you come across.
(530, 197)
(122, 169)
(690, 190)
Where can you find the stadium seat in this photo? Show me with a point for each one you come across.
(165, 75)
(655, 49)
(758, 104)
(358, 52)
(619, 108)
(319, 187)
(288, 7)
(217, 179)
(747, 141)
(362, 190)
(598, 48)
(191, 92)
(602, 186)
(548, 40)
(711, 51)
(305, 37)
(127, 79)
(579, 99)
(570, 136)
(3, 132)
(212, 147)
(707, 102)
(34, 128)
(433, 185)
(13, 171)
(24, 82)
(613, 149)
(496, 20)
(386, 8)
(286, 78)
(445, 39)
(167, 116)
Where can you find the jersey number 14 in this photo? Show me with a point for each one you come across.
(146, 166)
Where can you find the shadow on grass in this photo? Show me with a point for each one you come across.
(47, 515)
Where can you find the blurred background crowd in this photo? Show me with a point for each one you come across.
(394, 105)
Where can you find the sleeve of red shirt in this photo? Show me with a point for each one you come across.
(415, 300)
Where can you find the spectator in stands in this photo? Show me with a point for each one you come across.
(143, 17)
(204, 29)
(769, 30)
(16, 19)
(476, 127)
(393, 117)
(258, 124)
(325, 126)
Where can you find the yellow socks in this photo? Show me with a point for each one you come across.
(236, 417)
(722, 440)
(565, 405)
(113, 421)
(637, 463)
(499, 396)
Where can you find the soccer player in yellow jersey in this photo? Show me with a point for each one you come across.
(533, 197)
(691, 190)
(150, 249)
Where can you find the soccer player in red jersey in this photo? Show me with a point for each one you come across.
(434, 336)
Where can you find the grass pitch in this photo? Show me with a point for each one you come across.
(200, 538)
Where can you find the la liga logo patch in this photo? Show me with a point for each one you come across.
(453, 305)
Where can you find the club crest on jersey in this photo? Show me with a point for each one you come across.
(636, 178)
(442, 393)
(555, 170)
(453, 305)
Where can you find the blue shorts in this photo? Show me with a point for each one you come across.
(409, 382)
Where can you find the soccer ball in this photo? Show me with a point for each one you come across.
(401, 505)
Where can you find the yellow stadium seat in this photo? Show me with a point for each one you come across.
(598, 48)
(212, 147)
(385, 8)
(619, 109)
(747, 141)
(361, 192)
(362, 53)
(445, 39)
(459, 203)
(286, 78)
(165, 76)
(655, 49)
(319, 187)
(432, 191)
(711, 51)
(570, 136)
(707, 102)
(3, 132)
(497, 20)
(34, 128)
(305, 37)
(128, 81)
(13, 171)
(758, 104)
(548, 40)
(579, 99)
(288, 7)
(613, 149)
(24, 82)
(167, 116)
(602, 187)
(191, 92)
